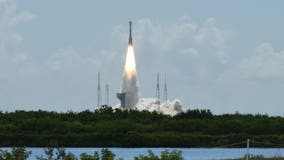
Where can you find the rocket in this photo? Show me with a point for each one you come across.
(130, 34)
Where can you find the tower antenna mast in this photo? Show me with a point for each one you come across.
(107, 92)
(158, 87)
(165, 89)
(99, 90)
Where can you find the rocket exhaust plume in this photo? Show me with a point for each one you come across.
(129, 93)
(130, 65)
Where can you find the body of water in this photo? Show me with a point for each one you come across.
(188, 153)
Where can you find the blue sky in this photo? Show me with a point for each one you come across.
(222, 55)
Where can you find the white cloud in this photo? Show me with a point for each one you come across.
(12, 60)
(10, 17)
(67, 59)
(192, 52)
(254, 84)
(210, 34)
(265, 63)
(207, 38)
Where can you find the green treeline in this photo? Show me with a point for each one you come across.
(106, 127)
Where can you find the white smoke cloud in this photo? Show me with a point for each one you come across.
(170, 107)
(130, 87)
(167, 107)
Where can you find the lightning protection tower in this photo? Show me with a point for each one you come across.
(99, 90)
(158, 87)
(107, 93)
(165, 89)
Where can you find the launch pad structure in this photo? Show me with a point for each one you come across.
(122, 98)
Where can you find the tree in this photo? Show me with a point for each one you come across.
(17, 153)
(165, 155)
(60, 154)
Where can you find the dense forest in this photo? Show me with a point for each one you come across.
(106, 127)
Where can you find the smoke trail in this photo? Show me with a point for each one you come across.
(129, 79)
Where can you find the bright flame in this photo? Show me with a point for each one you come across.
(130, 66)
